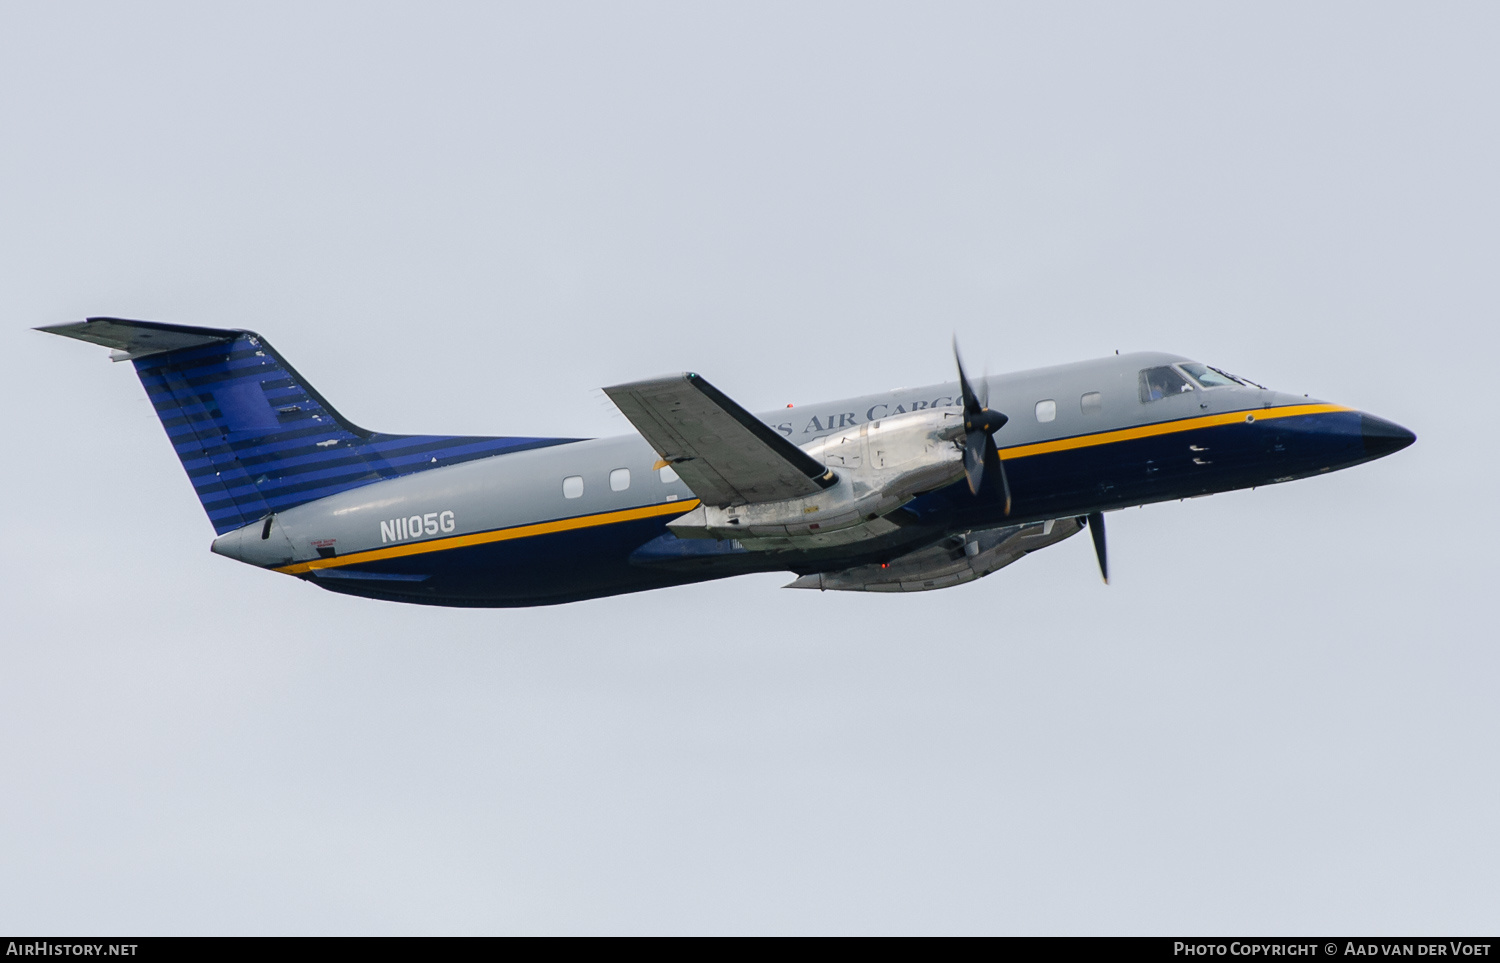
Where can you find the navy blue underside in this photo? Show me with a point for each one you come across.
(593, 562)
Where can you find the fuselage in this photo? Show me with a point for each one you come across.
(588, 518)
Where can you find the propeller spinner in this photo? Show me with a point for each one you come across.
(980, 425)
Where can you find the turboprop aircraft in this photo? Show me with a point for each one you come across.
(900, 491)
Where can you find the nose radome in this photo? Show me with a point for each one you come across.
(1382, 437)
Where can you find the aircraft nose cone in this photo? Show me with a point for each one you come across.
(1382, 437)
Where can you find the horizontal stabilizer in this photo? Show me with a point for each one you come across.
(726, 455)
(139, 339)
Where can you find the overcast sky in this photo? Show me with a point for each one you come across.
(465, 218)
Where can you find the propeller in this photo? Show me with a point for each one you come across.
(1095, 522)
(980, 425)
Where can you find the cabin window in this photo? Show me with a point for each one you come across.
(619, 479)
(668, 476)
(1158, 383)
(573, 486)
(1046, 410)
(1091, 403)
(1209, 377)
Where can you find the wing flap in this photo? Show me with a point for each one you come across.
(725, 454)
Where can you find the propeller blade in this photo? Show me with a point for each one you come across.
(1095, 523)
(972, 404)
(1004, 482)
(980, 425)
(977, 448)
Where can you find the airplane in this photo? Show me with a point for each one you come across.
(908, 490)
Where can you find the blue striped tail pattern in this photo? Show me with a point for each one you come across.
(253, 435)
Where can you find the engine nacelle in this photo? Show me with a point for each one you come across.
(880, 465)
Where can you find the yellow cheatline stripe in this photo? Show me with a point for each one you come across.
(682, 507)
(1166, 428)
(499, 535)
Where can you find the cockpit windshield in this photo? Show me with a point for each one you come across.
(1211, 377)
(1158, 383)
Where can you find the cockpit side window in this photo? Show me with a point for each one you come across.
(1158, 383)
(1210, 377)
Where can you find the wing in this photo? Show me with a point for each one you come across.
(726, 455)
(953, 560)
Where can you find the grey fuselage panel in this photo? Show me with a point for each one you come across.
(523, 540)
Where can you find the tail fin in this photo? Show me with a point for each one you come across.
(253, 435)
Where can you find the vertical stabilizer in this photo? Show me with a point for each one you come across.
(253, 435)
